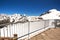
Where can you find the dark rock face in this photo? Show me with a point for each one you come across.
(45, 13)
(2, 26)
(4, 21)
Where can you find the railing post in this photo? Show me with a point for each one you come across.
(15, 37)
(28, 29)
(0, 32)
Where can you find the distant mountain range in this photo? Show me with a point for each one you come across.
(51, 14)
(12, 18)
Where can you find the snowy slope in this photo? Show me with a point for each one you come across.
(52, 14)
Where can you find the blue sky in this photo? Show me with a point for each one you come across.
(29, 7)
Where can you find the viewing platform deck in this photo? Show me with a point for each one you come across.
(50, 34)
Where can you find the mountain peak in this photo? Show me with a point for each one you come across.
(51, 14)
(53, 10)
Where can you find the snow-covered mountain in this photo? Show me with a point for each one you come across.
(13, 18)
(4, 18)
(18, 18)
(51, 14)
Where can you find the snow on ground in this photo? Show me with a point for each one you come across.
(53, 14)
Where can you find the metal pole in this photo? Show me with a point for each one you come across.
(10, 30)
(0, 32)
(28, 29)
(4, 31)
(14, 28)
(7, 31)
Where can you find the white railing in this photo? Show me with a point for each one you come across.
(23, 29)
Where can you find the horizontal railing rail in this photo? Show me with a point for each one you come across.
(31, 33)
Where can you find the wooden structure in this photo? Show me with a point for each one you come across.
(50, 34)
(9, 38)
